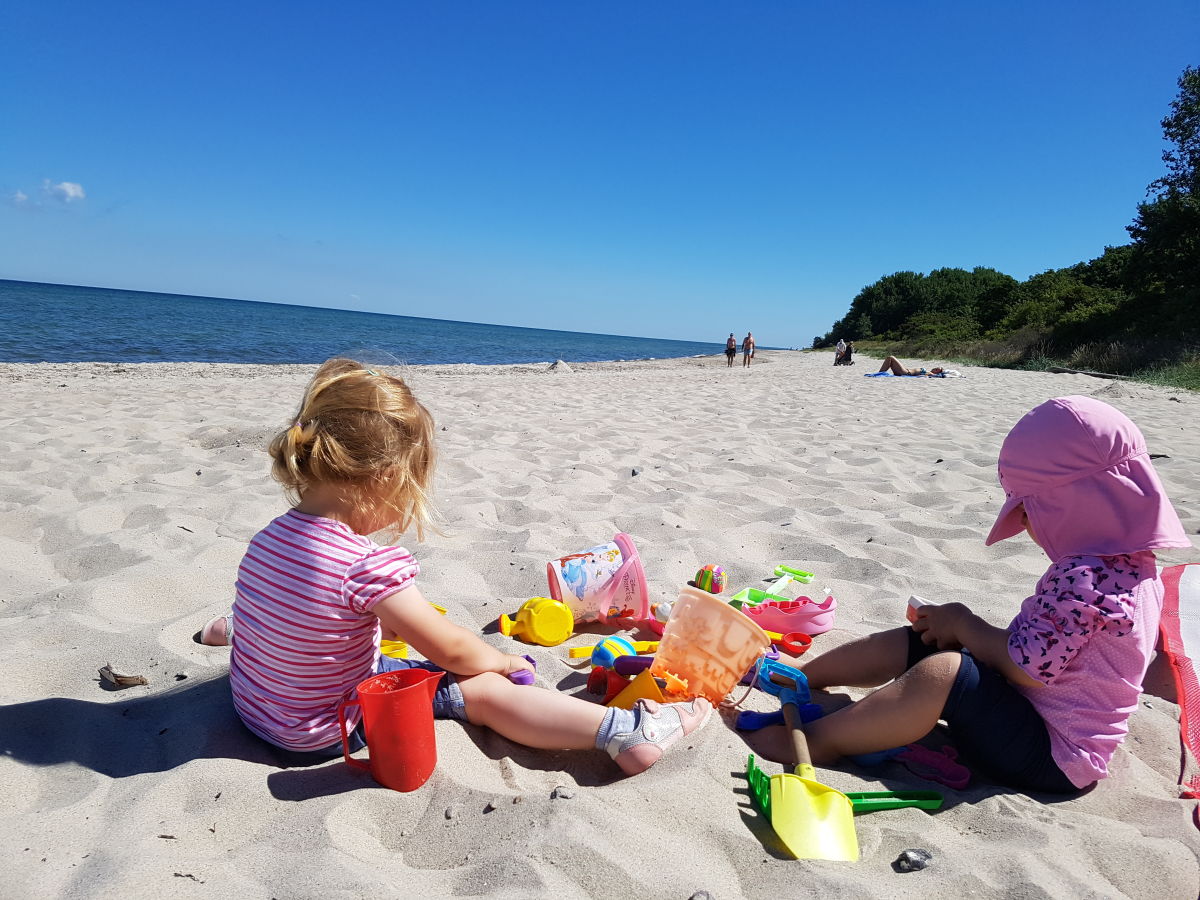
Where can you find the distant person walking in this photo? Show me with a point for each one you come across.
(730, 350)
(747, 350)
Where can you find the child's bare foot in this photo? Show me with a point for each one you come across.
(218, 632)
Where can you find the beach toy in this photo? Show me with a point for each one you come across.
(710, 578)
(813, 820)
(643, 687)
(541, 620)
(875, 801)
(396, 648)
(606, 652)
(524, 676)
(659, 613)
(706, 647)
(638, 647)
(915, 603)
(632, 665)
(795, 643)
(939, 765)
(607, 682)
(750, 720)
(602, 583)
(755, 596)
(796, 574)
(397, 715)
(787, 616)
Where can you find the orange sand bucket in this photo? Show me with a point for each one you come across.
(397, 710)
(706, 647)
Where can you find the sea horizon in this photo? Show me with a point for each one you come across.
(50, 322)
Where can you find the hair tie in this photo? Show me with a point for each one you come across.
(299, 425)
(372, 372)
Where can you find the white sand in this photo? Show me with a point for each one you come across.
(129, 493)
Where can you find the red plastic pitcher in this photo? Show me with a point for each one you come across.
(397, 710)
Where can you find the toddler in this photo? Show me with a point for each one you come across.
(314, 593)
(1042, 704)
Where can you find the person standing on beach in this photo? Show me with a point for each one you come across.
(747, 350)
(730, 350)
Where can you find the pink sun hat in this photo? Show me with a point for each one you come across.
(1081, 471)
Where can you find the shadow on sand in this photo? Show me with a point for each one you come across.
(135, 735)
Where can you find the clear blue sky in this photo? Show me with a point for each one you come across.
(667, 169)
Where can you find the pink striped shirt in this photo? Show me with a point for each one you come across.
(305, 633)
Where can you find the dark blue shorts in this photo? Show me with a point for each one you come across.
(995, 727)
(448, 703)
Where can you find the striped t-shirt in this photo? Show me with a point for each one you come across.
(305, 633)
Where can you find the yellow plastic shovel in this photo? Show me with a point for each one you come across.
(813, 820)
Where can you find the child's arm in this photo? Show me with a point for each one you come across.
(953, 625)
(454, 648)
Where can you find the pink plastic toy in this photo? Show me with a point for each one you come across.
(785, 616)
(939, 765)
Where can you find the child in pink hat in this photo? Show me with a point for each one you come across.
(1042, 704)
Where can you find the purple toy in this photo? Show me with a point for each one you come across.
(524, 676)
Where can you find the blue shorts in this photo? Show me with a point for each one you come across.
(448, 703)
(995, 727)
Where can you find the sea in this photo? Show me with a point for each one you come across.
(68, 323)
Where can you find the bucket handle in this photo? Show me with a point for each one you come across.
(350, 761)
(631, 562)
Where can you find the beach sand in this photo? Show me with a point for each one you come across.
(129, 493)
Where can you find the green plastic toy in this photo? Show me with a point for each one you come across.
(863, 802)
(798, 574)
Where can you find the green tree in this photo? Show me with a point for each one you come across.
(1164, 268)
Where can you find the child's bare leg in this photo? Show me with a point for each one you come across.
(531, 716)
(636, 739)
(902, 712)
(867, 662)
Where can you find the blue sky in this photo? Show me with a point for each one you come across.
(660, 169)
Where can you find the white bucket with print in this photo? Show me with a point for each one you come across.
(601, 583)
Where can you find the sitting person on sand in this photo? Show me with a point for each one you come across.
(1042, 704)
(898, 368)
(314, 594)
(845, 357)
(838, 352)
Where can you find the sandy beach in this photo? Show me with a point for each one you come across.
(129, 493)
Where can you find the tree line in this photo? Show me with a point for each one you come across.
(1144, 293)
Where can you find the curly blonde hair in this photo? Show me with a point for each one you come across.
(364, 431)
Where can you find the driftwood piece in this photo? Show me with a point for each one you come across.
(120, 680)
(1059, 370)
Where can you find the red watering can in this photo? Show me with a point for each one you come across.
(397, 710)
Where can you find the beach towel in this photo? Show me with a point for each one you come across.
(949, 373)
(1180, 628)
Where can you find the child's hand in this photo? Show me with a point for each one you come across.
(514, 663)
(940, 625)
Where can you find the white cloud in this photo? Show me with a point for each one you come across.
(20, 198)
(65, 191)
